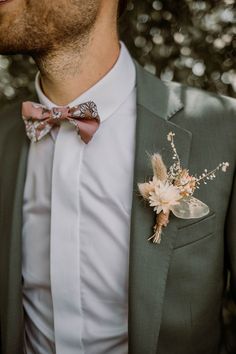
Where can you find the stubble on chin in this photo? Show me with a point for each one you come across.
(35, 28)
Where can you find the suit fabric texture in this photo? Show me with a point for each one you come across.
(177, 288)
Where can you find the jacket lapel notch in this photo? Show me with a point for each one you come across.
(157, 95)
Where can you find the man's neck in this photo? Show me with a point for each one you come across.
(68, 72)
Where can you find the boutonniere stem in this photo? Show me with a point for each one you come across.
(162, 220)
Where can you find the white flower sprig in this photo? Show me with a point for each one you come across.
(172, 190)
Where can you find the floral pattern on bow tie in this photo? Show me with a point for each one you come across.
(39, 120)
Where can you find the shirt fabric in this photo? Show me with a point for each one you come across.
(76, 225)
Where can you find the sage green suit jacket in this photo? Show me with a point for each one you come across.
(177, 288)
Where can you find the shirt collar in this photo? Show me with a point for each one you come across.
(109, 93)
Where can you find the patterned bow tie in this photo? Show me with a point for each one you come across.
(39, 120)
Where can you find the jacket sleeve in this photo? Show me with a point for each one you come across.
(230, 303)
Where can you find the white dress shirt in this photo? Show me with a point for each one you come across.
(76, 212)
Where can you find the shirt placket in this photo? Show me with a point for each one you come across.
(65, 242)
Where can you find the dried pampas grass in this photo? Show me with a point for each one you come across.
(159, 168)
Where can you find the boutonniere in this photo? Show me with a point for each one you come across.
(171, 190)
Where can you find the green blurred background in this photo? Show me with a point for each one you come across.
(192, 42)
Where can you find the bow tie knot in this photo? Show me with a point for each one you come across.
(39, 120)
(59, 114)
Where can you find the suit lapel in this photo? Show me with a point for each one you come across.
(149, 263)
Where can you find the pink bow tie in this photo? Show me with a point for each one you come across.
(39, 120)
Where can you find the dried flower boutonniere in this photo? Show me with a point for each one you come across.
(172, 190)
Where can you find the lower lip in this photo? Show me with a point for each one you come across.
(2, 2)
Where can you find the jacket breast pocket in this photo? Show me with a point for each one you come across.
(195, 230)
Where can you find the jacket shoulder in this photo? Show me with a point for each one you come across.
(210, 117)
(168, 99)
(200, 103)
